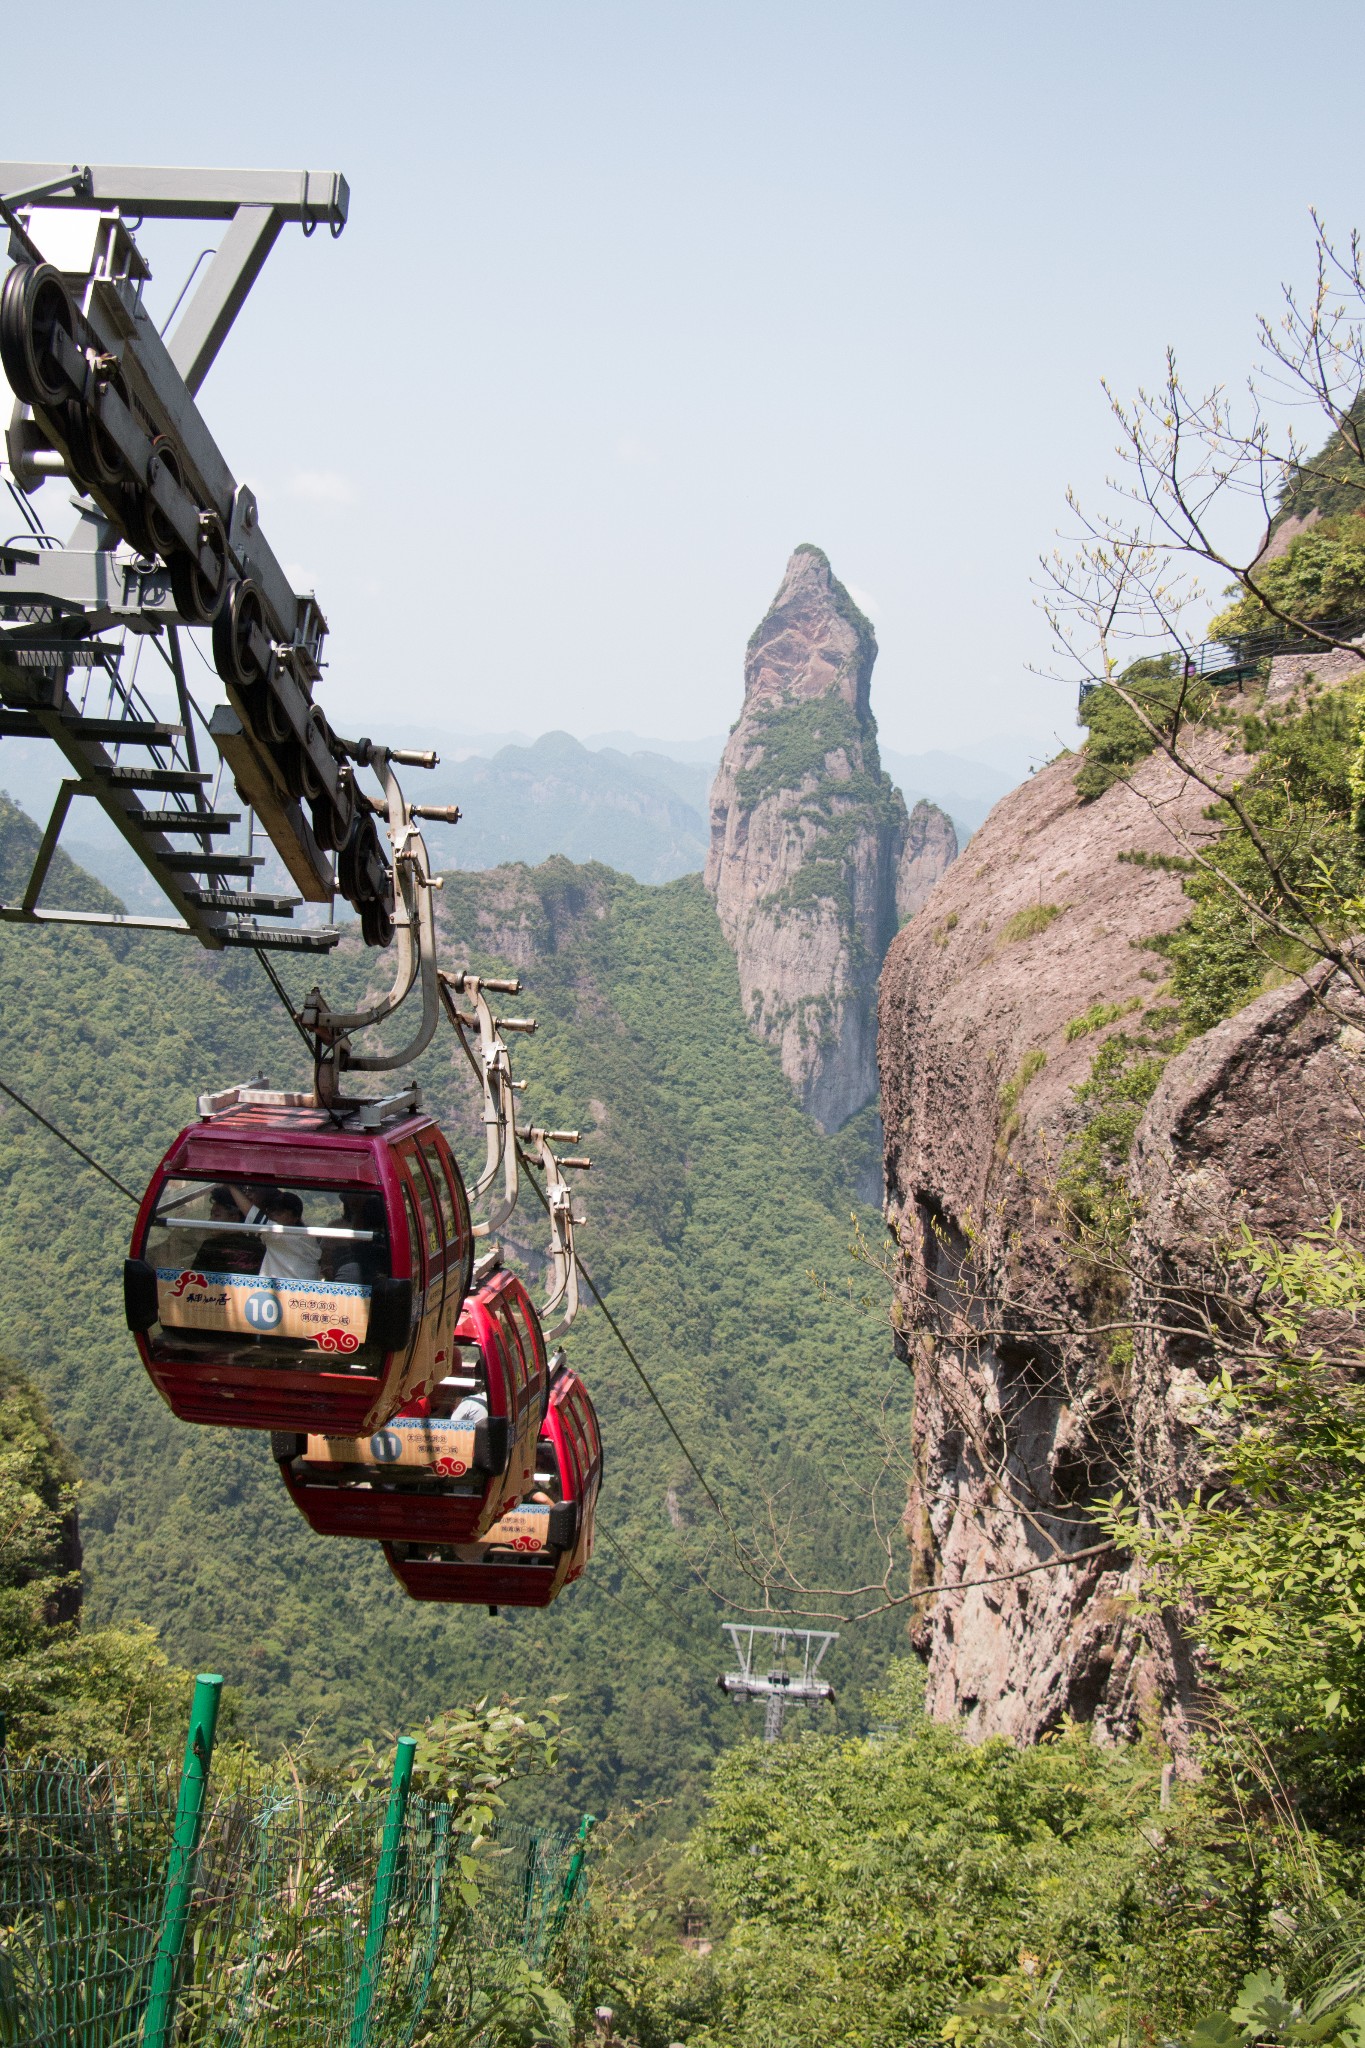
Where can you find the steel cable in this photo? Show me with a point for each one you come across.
(283, 994)
(655, 1592)
(79, 1150)
(616, 1329)
(644, 1378)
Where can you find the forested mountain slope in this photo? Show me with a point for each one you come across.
(716, 1209)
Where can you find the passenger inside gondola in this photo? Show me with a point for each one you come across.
(415, 1449)
(549, 1485)
(360, 1260)
(228, 1251)
(494, 1547)
(290, 1253)
(461, 1398)
(207, 1242)
(293, 1257)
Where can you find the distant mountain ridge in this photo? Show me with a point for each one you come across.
(967, 790)
(637, 804)
(641, 813)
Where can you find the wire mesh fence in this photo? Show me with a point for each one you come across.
(282, 1945)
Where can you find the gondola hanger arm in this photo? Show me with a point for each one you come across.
(493, 1066)
(414, 928)
(562, 1293)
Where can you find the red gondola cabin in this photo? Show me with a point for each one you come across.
(295, 1270)
(539, 1546)
(450, 1462)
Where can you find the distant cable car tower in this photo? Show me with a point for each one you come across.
(780, 1685)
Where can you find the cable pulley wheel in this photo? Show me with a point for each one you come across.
(290, 759)
(232, 630)
(34, 304)
(333, 817)
(98, 460)
(163, 460)
(199, 598)
(313, 786)
(278, 727)
(130, 507)
(376, 924)
(360, 852)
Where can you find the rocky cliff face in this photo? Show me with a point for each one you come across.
(811, 849)
(930, 849)
(1032, 955)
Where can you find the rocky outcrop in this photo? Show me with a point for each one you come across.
(1259, 1122)
(1033, 953)
(930, 849)
(809, 842)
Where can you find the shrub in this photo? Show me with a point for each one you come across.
(1319, 577)
(1299, 802)
(110, 1691)
(1118, 738)
(1274, 1556)
(1097, 1016)
(1093, 1183)
(1032, 1063)
(871, 1888)
(1026, 924)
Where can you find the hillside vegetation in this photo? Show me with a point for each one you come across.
(716, 1211)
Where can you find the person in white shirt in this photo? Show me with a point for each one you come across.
(286, 1258)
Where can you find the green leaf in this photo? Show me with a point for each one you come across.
(1217, 2031)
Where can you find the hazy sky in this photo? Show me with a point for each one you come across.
(635, 297)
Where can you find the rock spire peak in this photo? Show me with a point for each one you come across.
(810, 842)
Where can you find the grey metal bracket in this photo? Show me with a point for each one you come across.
(562, 1286)
(47, 846)
(159, 192)
(780, 1685)
(204, 325)
(493, 1064)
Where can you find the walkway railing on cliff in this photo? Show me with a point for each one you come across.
(1225, 663)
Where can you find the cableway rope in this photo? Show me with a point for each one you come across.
(614, 1326)
(620, 1337)
(283, 994)
(655, 1592)
(79, 1150)
(644, 1378)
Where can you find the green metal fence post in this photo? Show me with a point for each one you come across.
(383, 1890)
(158, 2021)
(574, 1873)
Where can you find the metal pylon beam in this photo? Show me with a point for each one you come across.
(781, 1684)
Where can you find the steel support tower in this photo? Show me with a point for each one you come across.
(167, 540)
(782, 1684)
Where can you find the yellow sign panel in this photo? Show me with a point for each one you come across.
(429, 1443)
(333, 1314)
(525, 1528)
